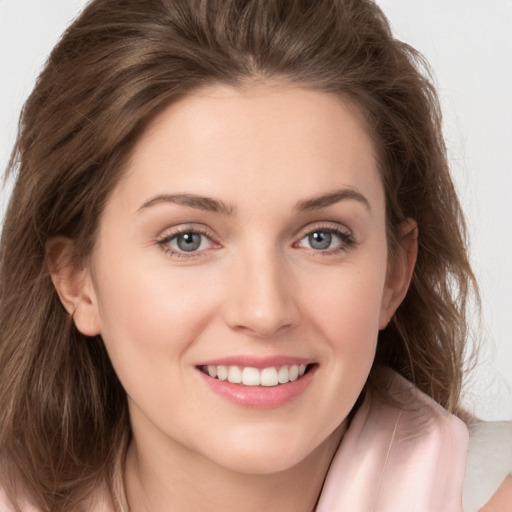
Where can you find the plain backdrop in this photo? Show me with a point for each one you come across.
(469, 46)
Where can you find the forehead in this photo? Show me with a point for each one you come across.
(260, 139)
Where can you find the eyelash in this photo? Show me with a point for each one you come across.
(347, 241)
(173, 253)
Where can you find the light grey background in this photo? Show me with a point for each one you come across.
(469, 45)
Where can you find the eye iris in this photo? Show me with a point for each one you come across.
(189, 241)
(320, 240)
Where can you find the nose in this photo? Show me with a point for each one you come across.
(260, 299)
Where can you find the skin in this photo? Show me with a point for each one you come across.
(255, 287)
(502, 500)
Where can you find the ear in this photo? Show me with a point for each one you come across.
(74, 285)
(400, 270)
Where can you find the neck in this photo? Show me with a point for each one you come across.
(188, 482)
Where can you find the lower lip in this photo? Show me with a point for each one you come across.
(259, 397)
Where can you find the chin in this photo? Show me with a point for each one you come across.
(261, 455)
(261, 463)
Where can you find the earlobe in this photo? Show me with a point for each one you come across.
(400, 271)
(73, 285)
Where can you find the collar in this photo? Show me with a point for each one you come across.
(400, 454)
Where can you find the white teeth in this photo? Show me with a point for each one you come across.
(269, 377)
(283, 375)
(222, 372)
(248, 376)
(251, 377)
(234, 375)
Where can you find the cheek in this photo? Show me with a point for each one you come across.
(148, 324)
(345, 306)
(150, 309)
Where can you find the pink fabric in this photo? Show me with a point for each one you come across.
(398, 459)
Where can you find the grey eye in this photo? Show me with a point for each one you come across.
(320, 240)
(188, 242)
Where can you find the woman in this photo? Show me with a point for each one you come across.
(232, 244)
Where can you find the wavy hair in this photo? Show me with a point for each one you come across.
(64, 424)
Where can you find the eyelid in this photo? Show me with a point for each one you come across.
(191, 227)
(323, 226)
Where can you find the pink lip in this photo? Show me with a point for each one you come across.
(258, 397)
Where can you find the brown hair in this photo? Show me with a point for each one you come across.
(64, 417)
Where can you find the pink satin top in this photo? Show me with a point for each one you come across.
(398, 458)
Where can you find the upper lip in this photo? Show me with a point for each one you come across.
(257, 362)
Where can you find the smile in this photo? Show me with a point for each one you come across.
(248, 376)
(258, 383)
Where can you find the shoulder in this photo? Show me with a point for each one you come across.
(488, 480)
(411, 454)
(401, 452)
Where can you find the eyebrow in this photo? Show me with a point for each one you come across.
(191, 200)
(325, 200)
(210, 204)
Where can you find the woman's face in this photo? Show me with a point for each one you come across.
(246, 241)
